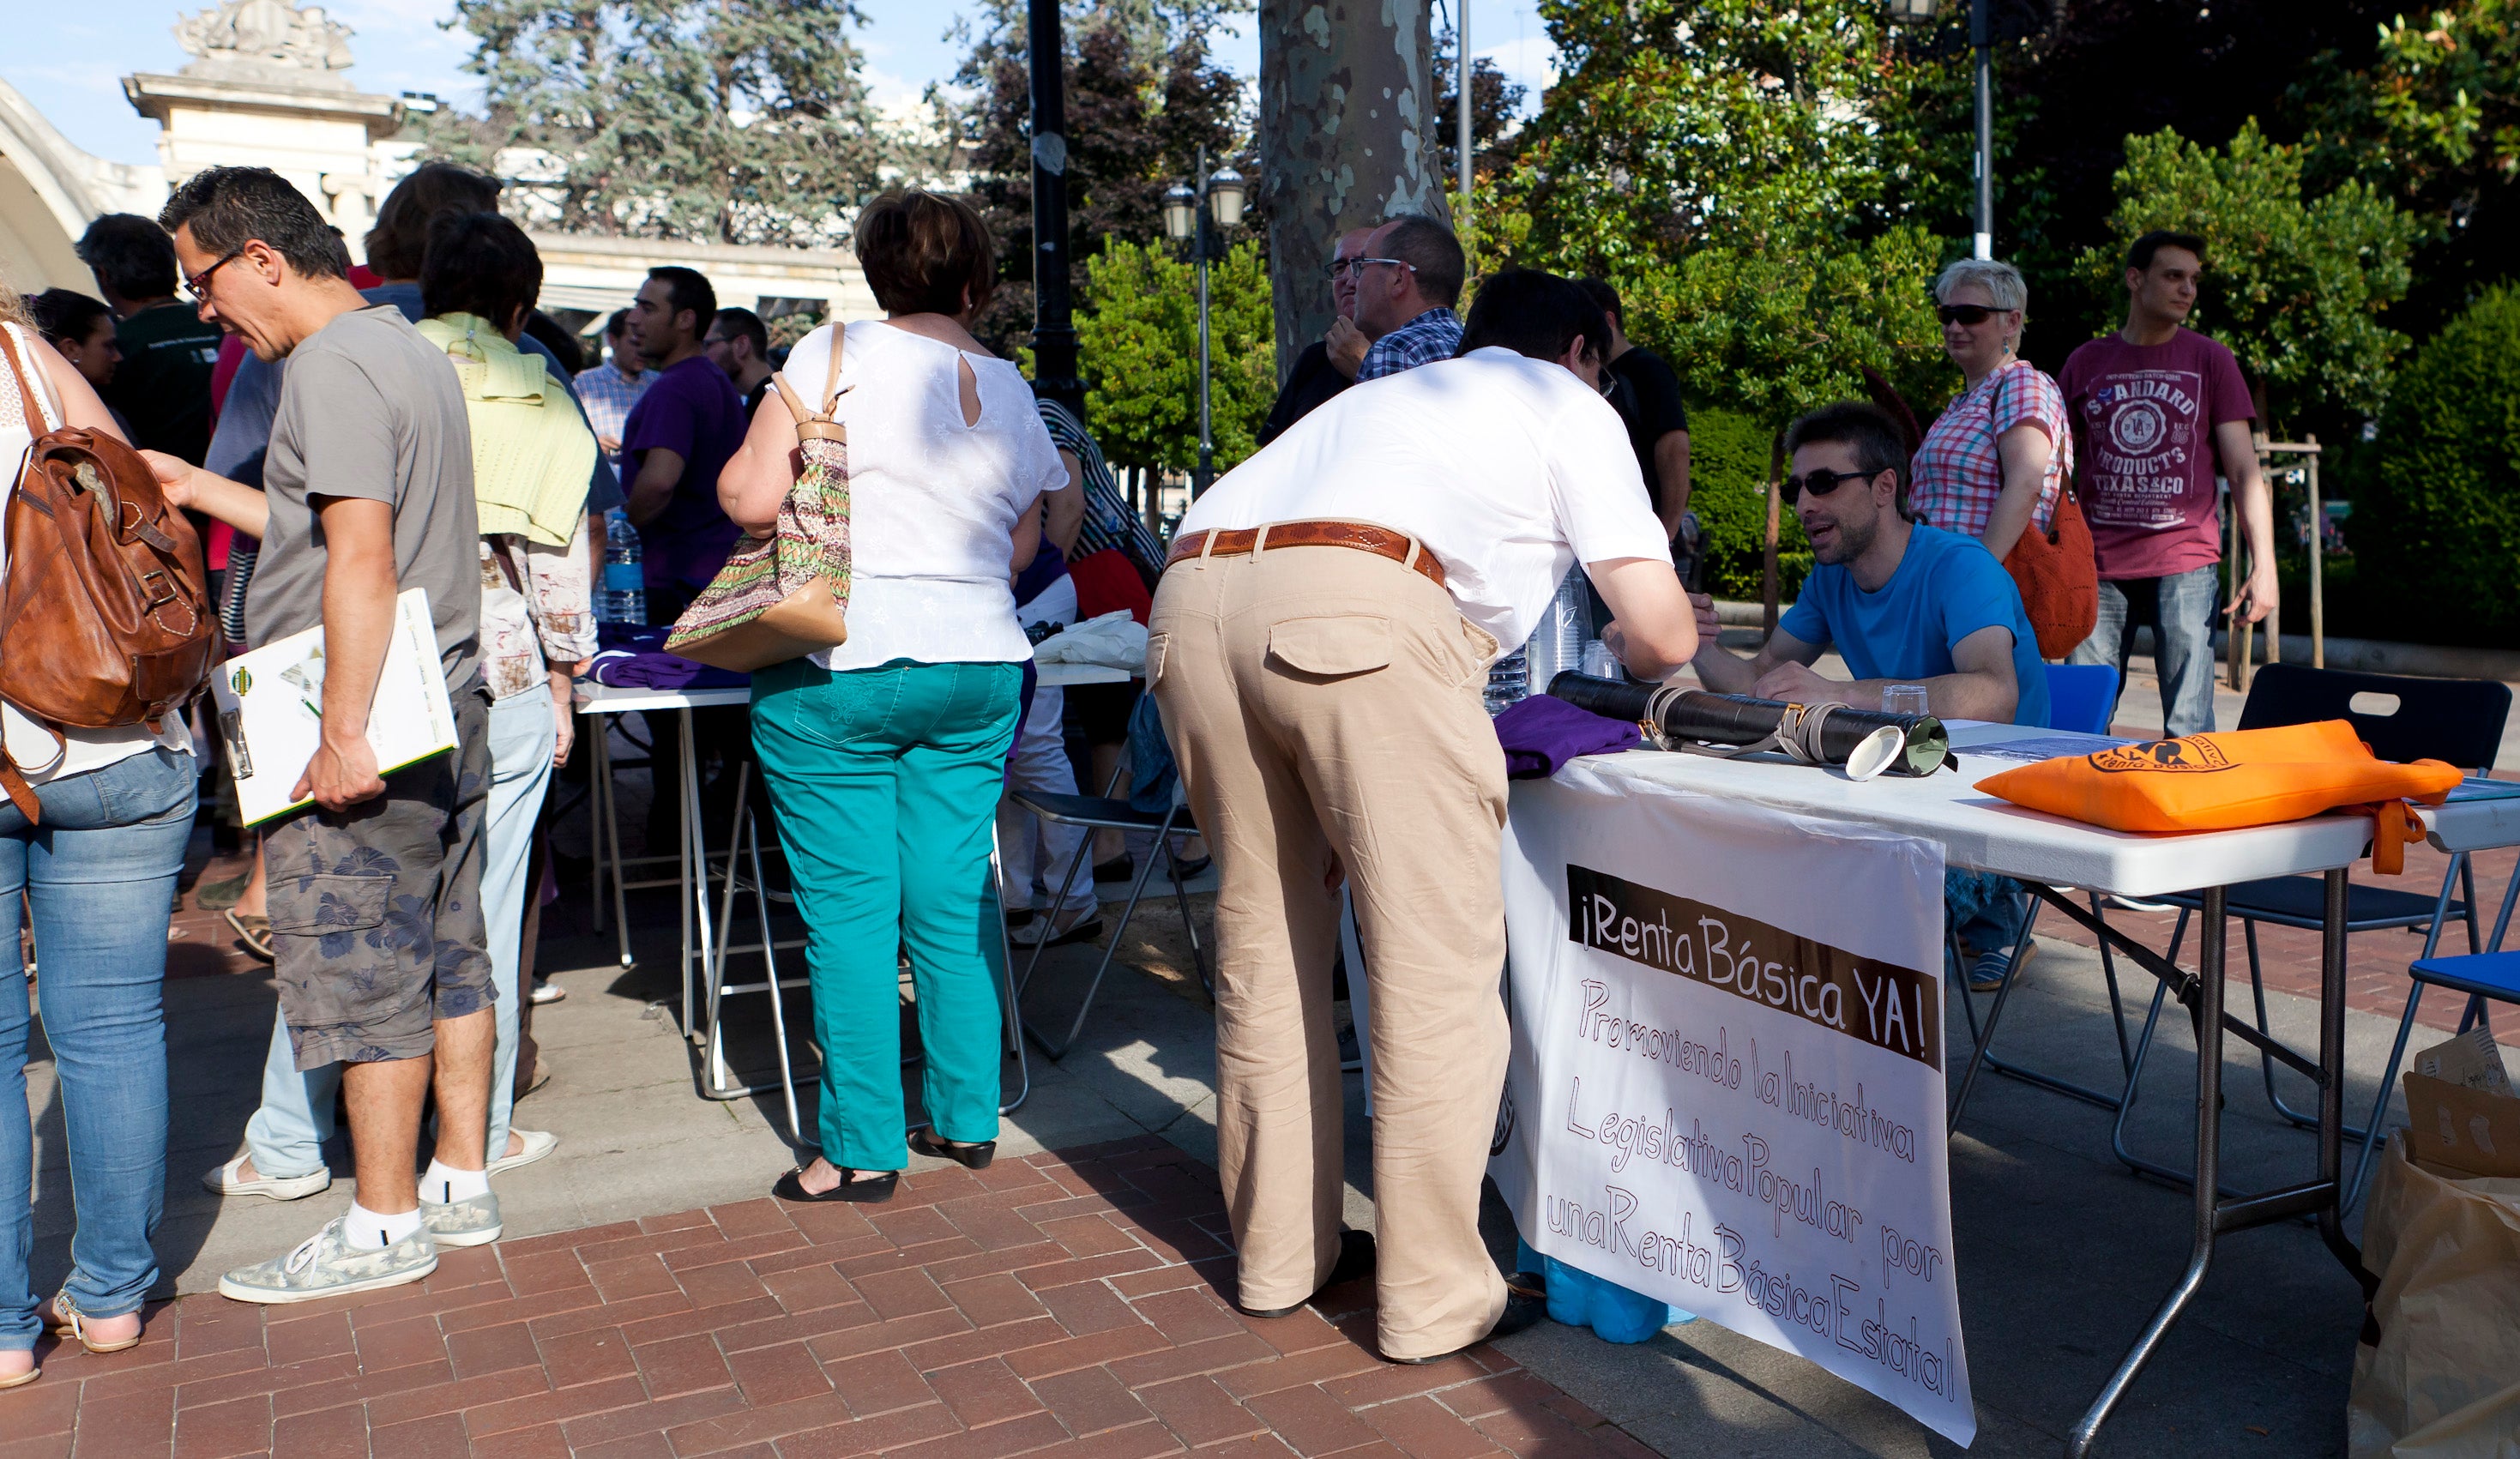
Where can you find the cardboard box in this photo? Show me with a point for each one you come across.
(2472, 1060)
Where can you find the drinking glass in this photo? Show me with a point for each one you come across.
(1904, 699)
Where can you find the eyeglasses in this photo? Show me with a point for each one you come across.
(1821, 483)
(1969, 314)
(1353, 266)
(196, 285)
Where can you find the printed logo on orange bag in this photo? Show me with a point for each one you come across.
(2194, 756)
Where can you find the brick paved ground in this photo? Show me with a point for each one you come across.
(1064, 1305)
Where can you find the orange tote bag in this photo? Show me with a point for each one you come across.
(2221, 782)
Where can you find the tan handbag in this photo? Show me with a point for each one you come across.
(786, 595)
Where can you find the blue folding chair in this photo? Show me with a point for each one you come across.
(2080, 697)
(2491, 974)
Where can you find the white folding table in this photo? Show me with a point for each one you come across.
(1979, 832)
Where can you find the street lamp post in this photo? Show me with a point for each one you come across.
(1200, 217)
(1981, 45)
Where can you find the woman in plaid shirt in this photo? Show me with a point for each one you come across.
(2000, 452)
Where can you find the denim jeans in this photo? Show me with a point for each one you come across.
(99, 874)
(1987, 912)
(287, 1134)
(2180, 609)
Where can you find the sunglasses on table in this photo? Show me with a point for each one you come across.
(1970, 314)
(1821, 483)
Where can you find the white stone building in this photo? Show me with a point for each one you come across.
(268, 86)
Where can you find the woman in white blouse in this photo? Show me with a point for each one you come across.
(884, 756)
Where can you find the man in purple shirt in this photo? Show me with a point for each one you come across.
(678, 438)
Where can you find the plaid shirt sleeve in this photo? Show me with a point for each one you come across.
(1435, 335)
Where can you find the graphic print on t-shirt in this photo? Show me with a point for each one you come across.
(2143, 428)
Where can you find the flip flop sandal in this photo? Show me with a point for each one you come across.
(254, 929)
(22, 1380)
(69, 1322)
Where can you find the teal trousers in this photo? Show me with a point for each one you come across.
(886, 781)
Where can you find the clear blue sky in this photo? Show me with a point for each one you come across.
(68, 59)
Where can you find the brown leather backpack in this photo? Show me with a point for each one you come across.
(105, 619)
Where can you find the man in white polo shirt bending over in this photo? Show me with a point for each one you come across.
(1321, 644)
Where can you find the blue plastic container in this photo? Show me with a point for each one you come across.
(1614, 1314)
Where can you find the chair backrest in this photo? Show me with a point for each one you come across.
(2080, 697)
(2458, 721)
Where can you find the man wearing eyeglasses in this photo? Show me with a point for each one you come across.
(1902, 602)
(1329, 363)
(1407, 281)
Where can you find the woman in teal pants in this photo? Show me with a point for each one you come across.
(884, 756)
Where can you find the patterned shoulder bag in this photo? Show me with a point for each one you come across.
(786, 595)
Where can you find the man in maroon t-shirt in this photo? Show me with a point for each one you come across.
(2155, 408)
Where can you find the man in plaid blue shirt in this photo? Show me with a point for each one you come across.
(1408, 277)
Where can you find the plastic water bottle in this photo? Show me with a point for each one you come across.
(1508, 681)
(622, 596)
(1558, 641)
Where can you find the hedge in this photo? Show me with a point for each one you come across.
(1728, 475)
(2439, 519)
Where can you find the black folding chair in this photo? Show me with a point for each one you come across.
(2455, 720)
(1108, 813)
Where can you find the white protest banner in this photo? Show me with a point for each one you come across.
(1726, 1081)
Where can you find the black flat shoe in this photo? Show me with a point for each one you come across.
(1355, 1264)
(1526, 1301)
(855, 1185)
(970, 1157)
(1184, 871)
(1118, 869)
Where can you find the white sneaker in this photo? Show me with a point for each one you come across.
(326, 1265)
(472, 1221)
(228, 1180)
(537, 1143)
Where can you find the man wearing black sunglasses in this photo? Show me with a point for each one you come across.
(1902, 602)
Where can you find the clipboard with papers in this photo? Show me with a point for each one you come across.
(270, 706)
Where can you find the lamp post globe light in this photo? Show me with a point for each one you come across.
(1199, 217)
(1982, 44)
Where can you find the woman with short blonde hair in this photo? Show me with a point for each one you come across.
(1996, 458)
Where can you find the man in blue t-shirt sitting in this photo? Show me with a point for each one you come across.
(1903, 603)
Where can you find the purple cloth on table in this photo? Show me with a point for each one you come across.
(629, 657)
(1541, 734)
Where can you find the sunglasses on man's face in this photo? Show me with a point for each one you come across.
(1969, 314)
(1821, 483)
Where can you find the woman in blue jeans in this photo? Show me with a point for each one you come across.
(884, 756)
(100, 876)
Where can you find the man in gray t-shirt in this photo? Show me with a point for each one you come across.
(383, 961)
(370, 409)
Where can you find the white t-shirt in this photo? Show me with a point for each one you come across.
(33, 750)
(933, 501)
(1508, 469)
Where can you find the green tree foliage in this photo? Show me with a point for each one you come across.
(2295, 286)
(1143, 99)
(1138, 334)
(720, 120)
(1759, 180)
(2433, 123)
(2438, 539)
(1728, 475)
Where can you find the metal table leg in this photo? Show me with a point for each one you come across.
(2209, 1156)
(2215, 1211)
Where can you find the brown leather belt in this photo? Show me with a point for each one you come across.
(1364, 536)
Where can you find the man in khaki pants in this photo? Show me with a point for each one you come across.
(1321, 644)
